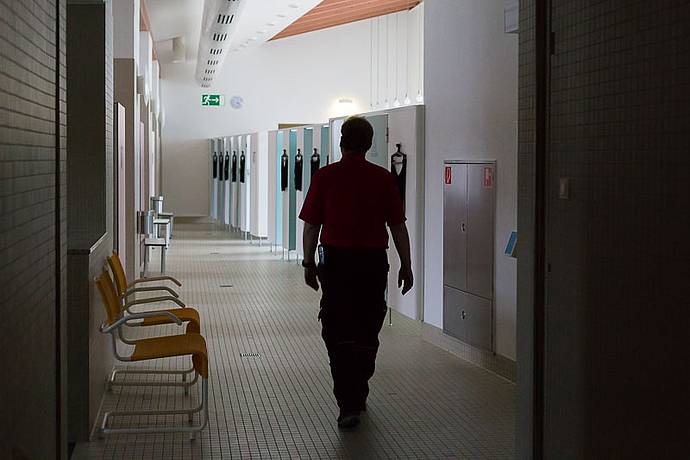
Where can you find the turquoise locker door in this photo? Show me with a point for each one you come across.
(279, 193)
(378, 154)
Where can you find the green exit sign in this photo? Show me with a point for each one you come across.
(212, 100)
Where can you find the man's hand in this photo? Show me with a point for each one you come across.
(405, 279)
(402, 243)
(310, 278)
(310, 238)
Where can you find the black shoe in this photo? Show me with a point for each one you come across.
(348, 420)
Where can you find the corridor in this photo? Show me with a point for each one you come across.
(270, 387)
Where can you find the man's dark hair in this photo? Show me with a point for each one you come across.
(356, 135)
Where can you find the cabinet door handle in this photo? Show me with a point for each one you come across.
(463, 228)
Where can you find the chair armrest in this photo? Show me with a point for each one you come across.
(150, 289)
(142, 315)
(155, 278)
(166, 298)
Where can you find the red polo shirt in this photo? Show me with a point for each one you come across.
(353, 199)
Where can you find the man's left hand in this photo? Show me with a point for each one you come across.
(405, 279)
(310, 278)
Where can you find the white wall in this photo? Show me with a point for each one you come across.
(294, 80)
(471, 113)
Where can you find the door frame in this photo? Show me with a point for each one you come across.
(543, 49)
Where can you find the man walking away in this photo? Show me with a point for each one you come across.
(350, 203)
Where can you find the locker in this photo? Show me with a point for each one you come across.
(480, 231)
(454, 230)
(214, 177)
(220, 185)
(467, 317)
(468, 251)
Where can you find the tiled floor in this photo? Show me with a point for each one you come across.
(424, 402)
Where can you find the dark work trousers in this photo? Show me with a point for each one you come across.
(353, 308)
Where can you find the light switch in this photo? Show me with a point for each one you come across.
(564, 188)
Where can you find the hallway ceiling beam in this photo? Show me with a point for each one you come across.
(331, 13)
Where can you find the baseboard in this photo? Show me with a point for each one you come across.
(193, 220)
(492, 362)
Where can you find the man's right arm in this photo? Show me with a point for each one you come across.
(401, 239)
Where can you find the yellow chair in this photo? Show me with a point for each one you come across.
(152, 318)
(126, 289)
(189, 344)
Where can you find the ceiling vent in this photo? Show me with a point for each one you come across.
(217, 26)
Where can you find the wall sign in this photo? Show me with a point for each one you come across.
(511, 244)
(212, 100)
(488, 177)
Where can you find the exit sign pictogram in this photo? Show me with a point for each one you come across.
(212, 100)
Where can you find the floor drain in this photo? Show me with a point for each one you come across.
(215, 253)
(250, 355)
(226, 285)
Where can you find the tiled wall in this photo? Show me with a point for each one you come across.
(90, 354)
(32, 223)
(617, 306)
(90, 179)
(90, 143)
(620, 127)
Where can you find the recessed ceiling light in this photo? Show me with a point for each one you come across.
(260, 32)
(293, 5)
(252, 39)
(271, 24)
(280, 15)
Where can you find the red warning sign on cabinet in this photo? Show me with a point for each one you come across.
(448, 176)
(488, 177)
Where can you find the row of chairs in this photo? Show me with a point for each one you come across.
(155, 220)
(121, 313)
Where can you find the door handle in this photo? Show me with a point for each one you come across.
(463, 228)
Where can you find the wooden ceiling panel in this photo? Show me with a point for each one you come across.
(330, 13)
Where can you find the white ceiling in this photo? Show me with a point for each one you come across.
(259, 21)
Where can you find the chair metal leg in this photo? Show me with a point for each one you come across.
(202, 408)
(113, 382)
